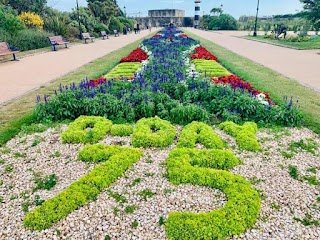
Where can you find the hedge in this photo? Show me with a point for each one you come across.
(245, 135)
(198, 132)
(77, 131)
(153, 132)
(239, 213)
(87, 188)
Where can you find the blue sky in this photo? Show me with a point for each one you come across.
(233, 7)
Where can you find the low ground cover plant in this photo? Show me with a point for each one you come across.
(86, 130)
(85, 189)
(245, 135)
(239, 213)
(124, 70)
(197, 132)
(153, 132)
(121, 130)
(202, 53)
(210, 68)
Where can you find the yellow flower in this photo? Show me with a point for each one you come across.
(31, 20)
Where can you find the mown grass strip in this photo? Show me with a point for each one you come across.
(311, 44)
(267, 80)
(18, 112)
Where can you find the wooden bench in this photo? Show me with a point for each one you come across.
(86, 36)
(104, 35)
(56, 41)
(6, 50)
(116, 34)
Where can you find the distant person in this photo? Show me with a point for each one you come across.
(125, 30)
(135, 28)
(138, 28)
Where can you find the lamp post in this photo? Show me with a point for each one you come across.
(125, 13)
(80, 31)
(256, 21)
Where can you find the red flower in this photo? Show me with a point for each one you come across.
(170, 38)
(136, 55)
(203, 53)
(183, 35)
(236, 82)
(96, 82)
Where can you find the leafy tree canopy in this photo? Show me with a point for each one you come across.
(312, 11)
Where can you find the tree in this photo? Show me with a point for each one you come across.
(103, 9)
(216, 10)
(223, 22)
(312, 12)
(36, 6)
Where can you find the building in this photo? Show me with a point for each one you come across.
(162, 18)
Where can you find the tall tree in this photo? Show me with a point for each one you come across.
(312, 12)
(36, 6)
(103, 9)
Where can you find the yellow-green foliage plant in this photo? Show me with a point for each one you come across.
(209, 168)
(121, 130)
(210, 68)
(115, 162)
(126, 69)
(153, 132)
(245, 135)
(86, 130)
(198, 132)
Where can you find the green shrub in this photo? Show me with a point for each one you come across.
(153, 132)
(31, 39)
(115, 24)
(185, 114)
(197, 132)
(245, 135)
(121, 130)
(86, 130)
(239, 213)
(86, 189)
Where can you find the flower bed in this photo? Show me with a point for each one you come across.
(237, 83)
(136, 55)
(169, 92)
(210, 68)
(124, 70)
(202, 53)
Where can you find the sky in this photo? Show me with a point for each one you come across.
(234, 7)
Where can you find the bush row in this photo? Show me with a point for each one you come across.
(87, 188)
(203, 167)
(245, 135)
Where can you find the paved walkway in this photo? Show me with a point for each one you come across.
(18, 78)
(301, 65)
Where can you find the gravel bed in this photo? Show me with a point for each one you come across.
(133, 217)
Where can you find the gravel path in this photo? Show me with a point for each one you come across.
(133, 217)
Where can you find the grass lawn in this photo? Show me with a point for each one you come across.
(19, 112)
(267, 80)
(312, 44)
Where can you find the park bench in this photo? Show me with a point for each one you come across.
(56, 41)
(104, 35)
(116, 34)
(86, 36)
(6, 50)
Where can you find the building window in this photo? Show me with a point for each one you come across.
(197, 8)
